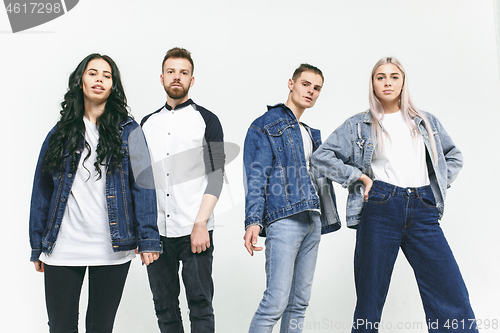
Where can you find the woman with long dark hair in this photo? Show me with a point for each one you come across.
(93, 199)
(398, 162)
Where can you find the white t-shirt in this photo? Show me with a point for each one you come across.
(308, 145)
(401, 162)
(84, 237)
(308, 150)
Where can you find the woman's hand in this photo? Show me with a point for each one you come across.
(38, 266)
(367, 182)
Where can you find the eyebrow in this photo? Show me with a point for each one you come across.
(316, 85)
(93, 69)
(182, 69)
(389, 74)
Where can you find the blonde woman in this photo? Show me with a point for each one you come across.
(398, 162)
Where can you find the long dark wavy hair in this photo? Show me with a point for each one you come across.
(70, 129)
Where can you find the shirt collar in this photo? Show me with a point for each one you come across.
(180, 106)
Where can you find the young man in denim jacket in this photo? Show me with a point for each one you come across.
(288, 202)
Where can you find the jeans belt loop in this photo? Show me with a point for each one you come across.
(394, 188)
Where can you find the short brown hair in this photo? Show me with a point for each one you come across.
(304, 68)
(178, 52)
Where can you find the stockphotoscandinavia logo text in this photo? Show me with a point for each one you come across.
(28, 14)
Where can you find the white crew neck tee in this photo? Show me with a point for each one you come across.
(402, 161)
(84, 237)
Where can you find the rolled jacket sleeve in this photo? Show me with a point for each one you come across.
(334, 156)
(143, 193)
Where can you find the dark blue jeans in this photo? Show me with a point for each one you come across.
(197, 278)
(63, 285)
(407, 218)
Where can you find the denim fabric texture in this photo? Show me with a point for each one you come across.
(63, 285)
(278, 183)
(291, 251)
(407, 218)
(197, 278)
(348, 152)
(130, 196)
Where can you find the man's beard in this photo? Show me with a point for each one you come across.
(177, 92)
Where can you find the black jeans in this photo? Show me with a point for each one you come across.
(197, 277)
(63, 285)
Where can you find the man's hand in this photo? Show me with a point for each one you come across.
(368, 185)
(200, 240)
(148, 257)
(38, 266)
(251, 236)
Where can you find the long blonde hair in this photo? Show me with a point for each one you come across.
(408, 109)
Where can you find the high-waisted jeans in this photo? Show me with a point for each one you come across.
(407, 218)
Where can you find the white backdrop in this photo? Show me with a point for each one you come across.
(244, 53)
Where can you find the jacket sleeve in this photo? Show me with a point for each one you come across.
(41, 195)
(334, 158)
(257, 161)
(143, 193)
(452, 155)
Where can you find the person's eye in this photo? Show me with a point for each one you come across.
(380, 78)
(317, 88)
(395, 77)
(107, 76)
(91, 73)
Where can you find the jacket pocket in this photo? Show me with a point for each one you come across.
(279, 134)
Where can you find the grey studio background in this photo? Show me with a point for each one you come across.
(244, 52)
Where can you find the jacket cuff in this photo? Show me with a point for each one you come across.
(352, 178)
(253, 220)
(150, 245)
(35, 254)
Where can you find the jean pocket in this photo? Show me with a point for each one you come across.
(427, 199)
(378, 196)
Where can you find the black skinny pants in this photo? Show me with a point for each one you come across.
(63, 285)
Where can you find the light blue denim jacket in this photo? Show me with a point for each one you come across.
(130, 197)
(348, 152)
(277, 181)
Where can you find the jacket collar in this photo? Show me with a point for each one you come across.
(180, 106)
(368, 117)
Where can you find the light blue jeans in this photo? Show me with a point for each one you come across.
(291, 252)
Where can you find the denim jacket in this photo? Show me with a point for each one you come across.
(348, 152)
(130, 197)
(277, 181)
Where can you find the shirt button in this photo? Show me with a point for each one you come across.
(168, 133)
(168, 195)
(63, 200)
(70, 175)
(168, 154)
(168, 174)
(56, 226)
(168, 215)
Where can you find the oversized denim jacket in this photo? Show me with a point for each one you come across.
(130, 197)
(348, 152)
(277, 181)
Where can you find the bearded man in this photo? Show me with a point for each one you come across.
(187, 152)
